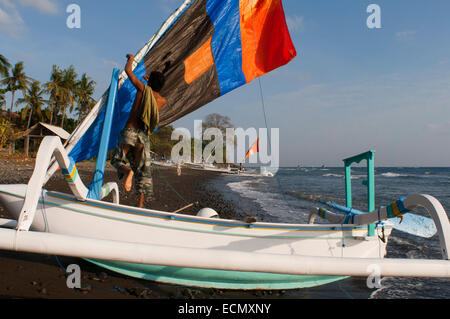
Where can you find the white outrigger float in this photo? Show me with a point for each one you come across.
(202, 250)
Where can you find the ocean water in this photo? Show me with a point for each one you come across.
(289, 195)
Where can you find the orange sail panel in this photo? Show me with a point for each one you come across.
(198, 62)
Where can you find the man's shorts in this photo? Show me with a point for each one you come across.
(143, 170)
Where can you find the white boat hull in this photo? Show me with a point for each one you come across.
(63, 214)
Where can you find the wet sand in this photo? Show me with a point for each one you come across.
(26, 275)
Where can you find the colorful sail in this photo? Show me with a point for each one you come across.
(209, 48)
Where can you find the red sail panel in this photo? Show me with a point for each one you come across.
(266, 44)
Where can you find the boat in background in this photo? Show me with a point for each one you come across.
(212, 168)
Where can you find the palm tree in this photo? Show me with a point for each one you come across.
(68, 91)
(33, 101)
(85, 102)
(2, 99)
(16, 81)
(4, 66)
(54, 88)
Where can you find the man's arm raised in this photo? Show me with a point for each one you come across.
(129, 70)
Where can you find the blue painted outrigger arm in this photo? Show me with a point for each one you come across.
(97, 183)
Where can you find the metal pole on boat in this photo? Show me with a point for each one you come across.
(97, 183)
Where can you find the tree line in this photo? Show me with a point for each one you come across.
(48, 102)
(51, 102)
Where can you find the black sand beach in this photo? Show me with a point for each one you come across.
(25, 275)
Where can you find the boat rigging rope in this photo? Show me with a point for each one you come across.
(257, 57)
(270, 147)
(172, 188)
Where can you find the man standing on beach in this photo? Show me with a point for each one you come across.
(179, 169)
(133, 146)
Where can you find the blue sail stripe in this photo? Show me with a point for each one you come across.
(225, 16)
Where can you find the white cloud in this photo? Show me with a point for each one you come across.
(11, 23)
(6, 3)
(295, 23)
(44, 6)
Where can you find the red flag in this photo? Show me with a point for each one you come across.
(252, 150)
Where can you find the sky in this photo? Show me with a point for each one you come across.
(350, 89)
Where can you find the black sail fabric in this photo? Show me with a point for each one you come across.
(186, 37)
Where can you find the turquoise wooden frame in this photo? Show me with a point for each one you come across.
(370, 182)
